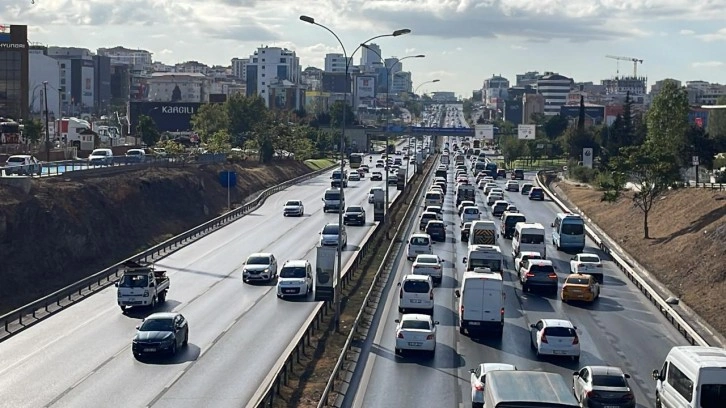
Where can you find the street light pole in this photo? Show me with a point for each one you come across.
(310, 20)
(47, 131)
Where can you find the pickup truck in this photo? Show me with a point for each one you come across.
(141, 285)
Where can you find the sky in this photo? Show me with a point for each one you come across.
(465, 41)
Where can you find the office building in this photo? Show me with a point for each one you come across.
(42, 68)
(371, 56)
(77, 78)
(528, 78)
(494, 92)
(102, 84)
(138, 60)
(239, 68)
(14, 71)
(120, 82)
(554, 88)
(178, 87)
(335, 63)
(532, 104)
(271, 65)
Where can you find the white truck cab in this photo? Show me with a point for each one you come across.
(141, 285)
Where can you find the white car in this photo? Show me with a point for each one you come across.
(555, 337)
(354, 176)
(436, 209)
(511, 186)
(334, 234)
(430, 265)
(470, 214)
(293, 207)
(416, 292)
(493, 197)
(489, 186)
(260, 267)
(589, 264)
(478, 380)
(416, 332)
(296, 279)
(418, 244)
(464, 204)
(523, 256)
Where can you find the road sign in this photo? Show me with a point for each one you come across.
(587, 157)
(696, 160)
(443, 131)
(484, 131)
(526, 132)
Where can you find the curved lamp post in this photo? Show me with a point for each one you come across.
(396, 33)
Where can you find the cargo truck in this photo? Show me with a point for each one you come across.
(141, 285)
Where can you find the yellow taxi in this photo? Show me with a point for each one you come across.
(580, 287)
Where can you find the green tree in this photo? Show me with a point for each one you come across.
(668, 120)
(627, 135)
(210, 119)
(33, 130)
(245, 115)
(651, 170)
(512, 148)
(716, 126)
(147, 130)
(176, 94)
(574, 140)
(468, 107)
(698, 143)
(581, 115)
(336, 114)
(171, 147)
(555, 126)
(219, 141)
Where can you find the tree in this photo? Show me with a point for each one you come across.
(210, 119)
(336, 114)
(245, 114)
(512, 148)
(668, 120)
(698, 143)
(581, 115)
(626, 137)
(171, 147)
(555, 126)
(218, 142)
(33, 130)
(574, 140)
(716, 126)
(481, 120)
(176, 94)
(652, 172)
(147, 130)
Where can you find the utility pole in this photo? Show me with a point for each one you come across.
(47, 131)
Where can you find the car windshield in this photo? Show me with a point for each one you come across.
(330, 230)
(589, 258)
(16, 160)
(292, 272)
(493, 264)
(332, 196)
(609, 381)
(470, 210)
(258, 260)
(513, 220)
(134, 281)
(573, 229)
(542, 269)
(134, 152)
(355, 209)
(293, 203)
(157, 325)
(101, 153)
(419, 241)
(435, 225)
(532, 239)
(427, 259)
(428, 216)
(416, 286)
(415, 325)
(578, 281)
(560, 332)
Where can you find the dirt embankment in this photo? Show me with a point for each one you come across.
(687, 249)
(63, 230)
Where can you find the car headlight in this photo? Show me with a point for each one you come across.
(267, 270)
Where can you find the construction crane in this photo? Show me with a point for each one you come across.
(635, 62)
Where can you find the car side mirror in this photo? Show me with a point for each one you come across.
(436, 322)
(322, 199)
(533, 326)
(457, 293)
(576, 374)
(137, 328)
(397, 321)
(656, 375)
(398, 284)
(552, 225)
(115, 284)
(627, 376)
(473, 371)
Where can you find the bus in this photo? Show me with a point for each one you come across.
(9, 132)
(355, 160)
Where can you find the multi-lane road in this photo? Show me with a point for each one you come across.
(622, 328)
(81, 357)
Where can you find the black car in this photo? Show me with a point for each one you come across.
(518, 174)
(536, 193)
(501, 173)
(436, 230)
(526, 187)
(160, 333)
(354, 215)
(465, 230)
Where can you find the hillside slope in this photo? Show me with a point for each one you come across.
(687, 252)
(64, 230)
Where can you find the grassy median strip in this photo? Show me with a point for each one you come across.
(311, 375)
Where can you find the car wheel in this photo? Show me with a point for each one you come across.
(173, 348)
(153, 302)
(397, 351)
(186, 339)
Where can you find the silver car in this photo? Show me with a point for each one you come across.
(602, 386)
(330, 233)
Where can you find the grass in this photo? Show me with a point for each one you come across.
(317, 164)
(535, 164)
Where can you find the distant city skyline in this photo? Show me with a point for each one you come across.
(465, 42)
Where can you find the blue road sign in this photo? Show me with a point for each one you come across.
(228, 179)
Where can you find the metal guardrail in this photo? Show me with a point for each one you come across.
(25, 316)
(266, 394)
(710, 186)
(676, 320)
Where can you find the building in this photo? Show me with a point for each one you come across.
(554, 88)
(14, 79)
(312, 78)
(656, 87)
(371, 56)
(178, 87)
(270, 65)
(138, 60)
(336, 63)
(335, 82)
(102, 83)
(494, 92)
(42, 68)
(594, 114)
(618, 87)
(120, 83)
(192, 67)
(401, 83)
(704, 93)
(77, 78)
(528, 79)
(161, 67)
(514, 104)
(532, 104)
(443, 96)
(285, 95)
(239, 68)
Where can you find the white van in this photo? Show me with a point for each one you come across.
(692, 376)
(433, 198)
(483, 233)
(416, 293)
(481, 301)
(529, 236)
(470, 214)
(418, 244)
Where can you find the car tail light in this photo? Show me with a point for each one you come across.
(478, 386)
(436, 267)
(598, 266)
(430, 337)
(629, 396)
(461, 310)
(576, 340)
(431, 295)
(400, 335)
(552, 275)
(543, 338)
(529, 275)
(501, 312)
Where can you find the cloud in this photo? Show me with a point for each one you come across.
(409, 50)
(686, 32)
(166, 51)
(719, 35)
(518, 47)
(708, 64)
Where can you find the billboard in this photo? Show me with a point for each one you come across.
(587, 157)
(365, 90)
(325, 273)
(484, 131)
(526, 132)
(168, 116)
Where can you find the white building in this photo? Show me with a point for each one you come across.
(528, 78)
(161, 67)
(43, 68)
(239, 68)
(494, 92)
(271, 65)
(77, 78)
(704, 93)
(194, 87)
(336, 63)
(139, 60)
(555, 89)
(401, 83)
(370, 56)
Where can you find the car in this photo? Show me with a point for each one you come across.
(332, 234)
(555, 337)
(489, 186)
(494, 197)
(436, 230)
(511, 186)
(23, 164)
(536, 193)
(415, 332)
(101, 157)
(463, 204)
(296, 278)
(160, 333)
(376, 176)
(499, 207)
(523, 256)
(518, 174)
(465, 230)
(580, 287)
(380, 164)
(392, 179)
(416, 292)
(354, 215)
(501, 173)
(425, 218)
(602, 386)
(372, 194)
(512, 208)
(436, 209)
(361, 172)
(478, 380)
(135, 156)
(525, 189)
(590, 264)
(354, 176)
(418, 244)
(430, 265)
(470, 214)
(293, 207)
(538, 273)
(261, 266)
(365, 168)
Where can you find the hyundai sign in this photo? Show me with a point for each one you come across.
(168, 116)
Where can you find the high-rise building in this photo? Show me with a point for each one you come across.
(335, 63)
(102, 83)
(14, 71)
(370, 56)
(77, 78)
(554, 88)
(494, 91)
(271, 65)
(528, 78)
(239, 68)
(139, 60)
(42, 68)
(401, 83)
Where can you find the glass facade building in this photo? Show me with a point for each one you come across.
(13, 71)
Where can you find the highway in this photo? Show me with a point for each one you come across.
(81, 357)
(622, 328)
